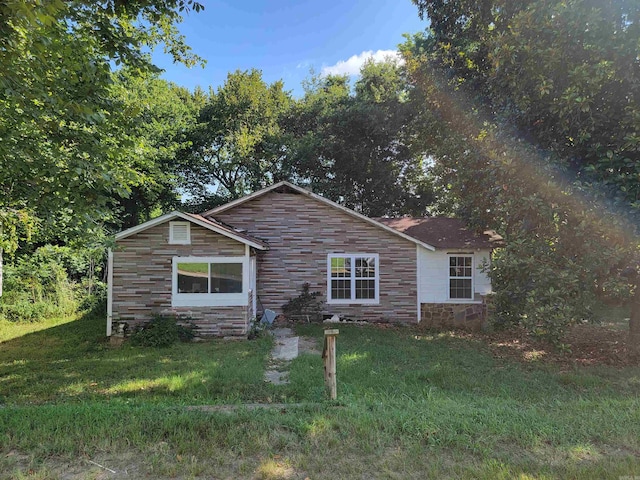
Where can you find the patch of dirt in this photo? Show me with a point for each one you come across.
(308, 345)
(588, 344)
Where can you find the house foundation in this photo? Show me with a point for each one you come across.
(465, 316)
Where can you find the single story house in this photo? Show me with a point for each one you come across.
(218, 267)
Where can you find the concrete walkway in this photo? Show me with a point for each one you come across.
(284, 350)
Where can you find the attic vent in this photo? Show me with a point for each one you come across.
(179, 233)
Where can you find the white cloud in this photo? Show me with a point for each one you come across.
(353, 64)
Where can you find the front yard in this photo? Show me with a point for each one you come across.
(411, 405)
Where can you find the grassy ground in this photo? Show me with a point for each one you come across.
(411, 405)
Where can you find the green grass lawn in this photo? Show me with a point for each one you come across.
(411, 405)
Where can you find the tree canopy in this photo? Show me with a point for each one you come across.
(64, 136)
(530, 112)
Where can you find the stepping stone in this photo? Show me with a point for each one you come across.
(277, 378)
(286, 348)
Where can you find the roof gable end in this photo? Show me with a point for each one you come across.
(223, 230)
(302, 191)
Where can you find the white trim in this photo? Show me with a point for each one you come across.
(302, 191)
(253, 269)
(353, 300)
(209, 299)
(449, 277)
(418, 285)
(170, 216)
(109, 291)
(172, 236)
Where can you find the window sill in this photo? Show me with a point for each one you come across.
(210, 300)
(353, 302)
(466, 301)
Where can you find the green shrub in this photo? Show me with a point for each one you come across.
(257, 329)
(162, 331)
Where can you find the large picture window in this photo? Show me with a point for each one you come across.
(461, 277)
(352, 278)
(209, 281)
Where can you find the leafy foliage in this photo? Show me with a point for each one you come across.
(230, 145)
(53, 281)
(355, 147)
(162, 331)
(526, 110)
(162, 117)
(64, 133)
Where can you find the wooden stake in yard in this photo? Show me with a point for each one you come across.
(329, 357)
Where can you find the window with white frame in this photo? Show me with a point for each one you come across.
(353, 278)
(180, 233)
(209, 281)
(461, 277)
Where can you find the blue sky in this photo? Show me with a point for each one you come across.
(286, 38)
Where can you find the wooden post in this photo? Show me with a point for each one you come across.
(329, 357)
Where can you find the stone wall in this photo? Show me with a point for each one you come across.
(142, 274)
(466, 316)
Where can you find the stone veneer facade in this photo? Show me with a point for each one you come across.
(466, 316)
(142, 277)
(301, 231)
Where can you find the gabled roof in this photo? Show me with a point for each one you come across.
(302, 191)
(443, 232)
(209, 224)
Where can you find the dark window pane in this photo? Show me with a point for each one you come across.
(365, 289)
(226, 278)
(460, 288)
(193, 278)
(340, 289)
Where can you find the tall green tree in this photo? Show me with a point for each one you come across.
(353, 145)
(529, 107)
(230, 145)
(64, 135)
(60, 123)
(162, 117)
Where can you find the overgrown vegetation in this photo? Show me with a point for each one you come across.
(52, 281)
(306, 307)
(410, 404)
(527, 111)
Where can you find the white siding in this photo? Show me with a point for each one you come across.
(433, 275)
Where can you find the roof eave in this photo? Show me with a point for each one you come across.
(175, 214)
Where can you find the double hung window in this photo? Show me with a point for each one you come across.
(460, 277)
(353, 278)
